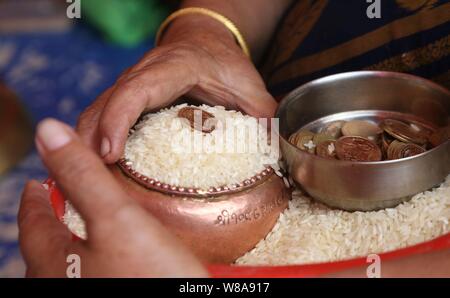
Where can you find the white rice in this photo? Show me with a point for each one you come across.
(155, 150)
(74, 222)
(309, 232)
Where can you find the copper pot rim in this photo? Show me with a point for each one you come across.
(190, 192)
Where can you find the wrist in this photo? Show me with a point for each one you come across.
(200, 30)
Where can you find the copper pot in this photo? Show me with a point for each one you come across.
(218, 227)
(15, 130)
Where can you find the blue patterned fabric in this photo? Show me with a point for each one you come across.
(55, 75)
(323, 37)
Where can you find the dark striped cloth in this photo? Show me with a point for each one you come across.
(323, 37)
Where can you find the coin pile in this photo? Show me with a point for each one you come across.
(366, 141)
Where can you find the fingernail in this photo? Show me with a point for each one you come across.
(52, 135)
(105, 147)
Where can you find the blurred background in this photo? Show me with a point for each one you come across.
(52, 65)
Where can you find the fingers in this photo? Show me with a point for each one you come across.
(87, 126)
(253, 97)
(261, 105)
(41, 235)
(145, 89)
(157, 81)
(79, 172)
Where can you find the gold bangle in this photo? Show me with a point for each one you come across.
(204, 11)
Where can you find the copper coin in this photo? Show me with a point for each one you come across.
(302, 139)
(327, 149)
(410, 149)
(334, 128)
(322, 137)
(386, 140)
(422, 128)
(395, 149)
(403, 132)
(440, 136)
(357, 149)
(361, 128)
(206, 124)
(399, 150)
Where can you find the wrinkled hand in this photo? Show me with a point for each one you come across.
(124, 239)
(205, 68)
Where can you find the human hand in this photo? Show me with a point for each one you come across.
(198, 58)
(123, 239)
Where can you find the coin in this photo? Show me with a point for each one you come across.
(440, 136)
(303, 140)
(334, 128)
(357, 149)
(361, 128)
(322, 137)
(399, 150)
(410, 149)
(422, 128)
(327, 149)
(403, 132)
(310, 147)
(207, 124)
(386, 140)
(394, 150)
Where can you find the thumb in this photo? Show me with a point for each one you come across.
(41, 234)
(79, 172)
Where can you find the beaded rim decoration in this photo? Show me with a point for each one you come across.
(154, 184)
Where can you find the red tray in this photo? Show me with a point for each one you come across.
(314, 270)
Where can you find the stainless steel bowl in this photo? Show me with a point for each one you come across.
(358, 185)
